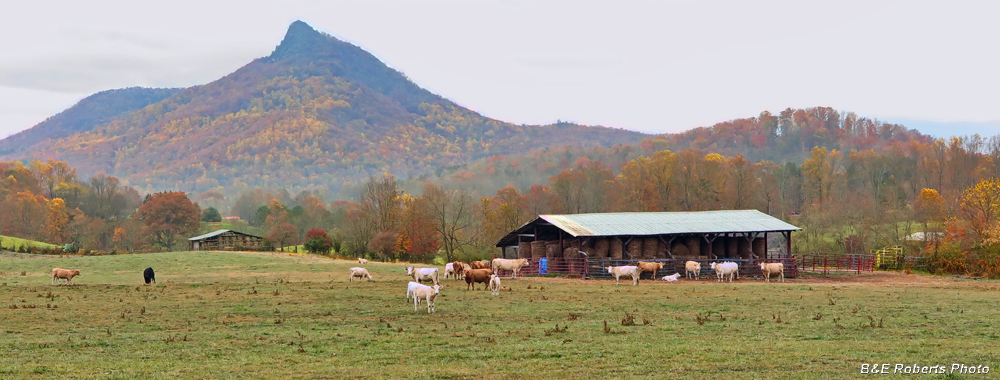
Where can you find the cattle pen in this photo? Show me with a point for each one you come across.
(582, 245)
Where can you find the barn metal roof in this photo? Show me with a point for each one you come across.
(661, 223)
(217, 233)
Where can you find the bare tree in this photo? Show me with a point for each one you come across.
(452, 211)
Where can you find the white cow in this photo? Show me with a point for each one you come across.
(421, 274)
(425, 292)
(511, 265)
(362, 261)
(625, 270)
(449, 270)
(692, 267)
(360, 273)
(724, 269)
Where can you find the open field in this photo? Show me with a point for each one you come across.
(270, 315)
(12, 243)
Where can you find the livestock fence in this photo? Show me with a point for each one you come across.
(597, 268)
(845, 262)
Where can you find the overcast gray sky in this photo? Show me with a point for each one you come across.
(654, 66)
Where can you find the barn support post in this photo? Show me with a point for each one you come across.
(669, 244)
(765, 245)
(625, 248)
(750, 236)
(711, 254)
(788, 243)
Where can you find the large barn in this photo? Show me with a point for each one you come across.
(225, 240)
(701, 235)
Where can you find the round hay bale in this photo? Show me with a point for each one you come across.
(693, 244)
(759, 248)
(634, 249)
(616, 249)
(732, 245)
(650, 246)
(743, 248)
(601, 247)
(571, 253)
(538, 249)
(552, 250)
(719, 248)
(661, 251)
(680, 251)
(574, 243)
(524, 250)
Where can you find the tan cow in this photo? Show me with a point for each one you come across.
(66, 274)
(511, 265)
(651, 267)
(692, 267)
(480, 265)
(767, 269)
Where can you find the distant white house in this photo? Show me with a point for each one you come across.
(930, 236)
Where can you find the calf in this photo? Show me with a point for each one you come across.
(360, 273)
(671, 278)
(149, 276)
(495, 284)
(625, 270)
(473, 276)
(651, 267)
(692, 267)
(767, 269)
(66, 274)
(511, 265)
(429, 293)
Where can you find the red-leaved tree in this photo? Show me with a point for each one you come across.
(167, 216)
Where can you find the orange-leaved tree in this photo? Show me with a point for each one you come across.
(169, 215)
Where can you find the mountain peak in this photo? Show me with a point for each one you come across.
(300, 40)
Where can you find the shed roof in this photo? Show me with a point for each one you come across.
(217, 233)
(660, 223)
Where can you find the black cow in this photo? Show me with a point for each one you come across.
(149, 276)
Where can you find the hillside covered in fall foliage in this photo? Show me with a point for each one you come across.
(316, 113)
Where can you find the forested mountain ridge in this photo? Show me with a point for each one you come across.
(89, 113)
(316, 113)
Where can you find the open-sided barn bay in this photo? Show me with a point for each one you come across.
(229, 315)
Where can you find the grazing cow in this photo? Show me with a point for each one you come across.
(651, 267)
(360, 273)
(495, 284)
(671, 278)
(625, 270)
(511, 265)
(421, 274)
(149, 276)
(480, 265)
(362, 261)
(449, 270)
(472, 276)
(457, 268)
(724, 269)
(692, 267)
(429, 293)
(66, 274)
(771, 268)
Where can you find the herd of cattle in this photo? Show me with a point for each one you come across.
(486, 273)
